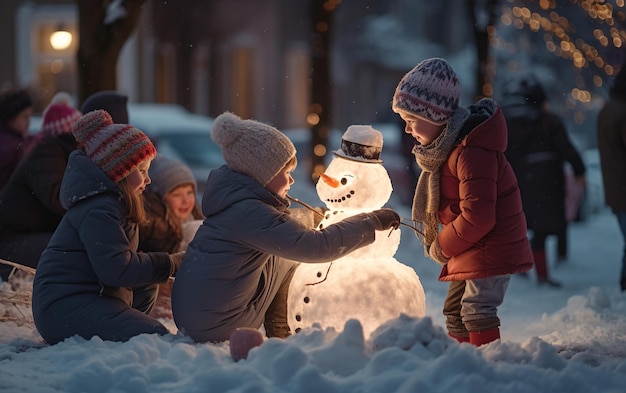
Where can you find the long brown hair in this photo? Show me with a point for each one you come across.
(134, 202)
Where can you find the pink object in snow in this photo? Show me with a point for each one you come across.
(242, 340)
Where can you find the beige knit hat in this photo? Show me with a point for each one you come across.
(251, 147)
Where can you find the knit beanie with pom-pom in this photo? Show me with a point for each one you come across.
(430, 91)
(116, 148)
(59, 116)
(251, 147)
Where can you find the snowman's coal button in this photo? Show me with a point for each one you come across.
(298, 317)
(319, 274)
(306, 299)
(298, 330)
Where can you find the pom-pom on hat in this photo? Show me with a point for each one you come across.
(429, 91)
(59, 116)
(12, 102)
(116, 148)
(251, 147)
(167, 174)
(361, 143)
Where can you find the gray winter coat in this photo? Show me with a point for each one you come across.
(90, 276)
(228, 276)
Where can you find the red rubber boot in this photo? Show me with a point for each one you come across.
(460, 339)
(541, 265)
(484, 337)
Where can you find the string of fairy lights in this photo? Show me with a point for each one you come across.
(586, 45)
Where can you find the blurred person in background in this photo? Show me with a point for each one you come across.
(173, 217)
(116, 104)
(30, 209)
(16, 108)
(611, 127)
(538, 149)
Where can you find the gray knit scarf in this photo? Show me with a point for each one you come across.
(430, 158)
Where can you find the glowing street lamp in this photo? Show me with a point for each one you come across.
(61, 39)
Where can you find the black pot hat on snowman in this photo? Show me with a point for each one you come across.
(361, 143)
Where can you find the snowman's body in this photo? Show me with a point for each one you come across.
(368, 284)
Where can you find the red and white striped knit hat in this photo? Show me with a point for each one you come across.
(116, 148)
(59, 116)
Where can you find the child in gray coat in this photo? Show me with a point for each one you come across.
(237, 269)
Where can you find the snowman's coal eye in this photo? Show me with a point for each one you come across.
(346, 179)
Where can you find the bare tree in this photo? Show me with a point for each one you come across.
(102, 37)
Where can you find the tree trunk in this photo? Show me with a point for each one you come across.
(483, 14)
(321, 92)
(100, 44)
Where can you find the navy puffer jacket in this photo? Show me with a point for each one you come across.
(86, 277)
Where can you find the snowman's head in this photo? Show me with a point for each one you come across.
(354, 186)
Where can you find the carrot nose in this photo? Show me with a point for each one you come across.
(331, 181)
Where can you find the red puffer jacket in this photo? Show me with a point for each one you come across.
(484, 228)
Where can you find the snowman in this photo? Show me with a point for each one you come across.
(368, 284)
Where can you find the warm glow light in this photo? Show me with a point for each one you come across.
(313, 119)
(61, 40)
(319, 150)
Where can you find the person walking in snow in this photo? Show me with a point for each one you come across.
(467, 202)
(30, 209)
(611, 127)
(538, 149)
(90, 280)
(237, 269)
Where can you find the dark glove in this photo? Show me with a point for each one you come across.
(384, 219)
(175, 260)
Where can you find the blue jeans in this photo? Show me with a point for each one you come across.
(621, 220)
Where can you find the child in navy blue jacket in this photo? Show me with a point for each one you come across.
(90, 280)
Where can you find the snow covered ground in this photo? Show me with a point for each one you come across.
(570, 340)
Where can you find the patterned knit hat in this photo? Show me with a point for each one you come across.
(116, 148)
(253, 148)
(111, 101)
(430, 91)
(59, 116)
(12, 102)
(167, 174)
